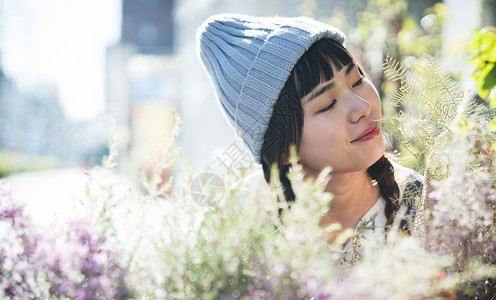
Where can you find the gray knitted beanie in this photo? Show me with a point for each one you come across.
(249, 60)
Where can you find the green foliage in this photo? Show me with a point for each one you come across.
(385, 27)
(437, 106)
(459, 167)
(13, 162)
(483, 48)
(416, 39)
(429, 88)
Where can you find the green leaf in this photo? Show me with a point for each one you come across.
(480, 78)
(490, 80)
(462, 125)
(492, 125)
(482, 93)
(473, 46)
(488, 46)
(476, 61)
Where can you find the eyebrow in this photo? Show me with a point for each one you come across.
(322, 89)
(350, 67)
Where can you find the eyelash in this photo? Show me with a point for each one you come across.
(356, 84)
(328, 107)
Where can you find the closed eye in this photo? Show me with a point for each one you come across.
(358, 83)
(327, 107)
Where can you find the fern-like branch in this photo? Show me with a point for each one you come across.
(436, 95)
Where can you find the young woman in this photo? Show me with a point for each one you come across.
(284, 81)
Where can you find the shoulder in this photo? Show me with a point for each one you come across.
(410, 184)
(404, 175)
(409, 181)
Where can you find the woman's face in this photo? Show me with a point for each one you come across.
(339, 126)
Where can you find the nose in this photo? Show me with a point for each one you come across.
(358, 107)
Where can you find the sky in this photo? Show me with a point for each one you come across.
(61, 43)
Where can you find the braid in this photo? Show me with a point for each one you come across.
(383, 173)
(285, 183)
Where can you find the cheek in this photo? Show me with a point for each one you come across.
(319, 141)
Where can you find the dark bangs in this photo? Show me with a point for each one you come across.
(314, 67)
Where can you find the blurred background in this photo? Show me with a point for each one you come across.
(76, 73)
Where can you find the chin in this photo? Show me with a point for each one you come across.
(374, 161)
(377, 153)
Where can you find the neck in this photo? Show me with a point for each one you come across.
(353, 195)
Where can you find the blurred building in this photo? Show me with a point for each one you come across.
(10, 134)
(31, 123)
(141, 82)
(148, 25)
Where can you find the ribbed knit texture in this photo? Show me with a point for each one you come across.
(249, 60)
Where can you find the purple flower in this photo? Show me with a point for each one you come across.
(85, 267)
(462, 219)
(18, 268)
(82, 267)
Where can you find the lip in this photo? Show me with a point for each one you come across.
(368, 134)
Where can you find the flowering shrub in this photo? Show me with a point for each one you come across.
(18, 273)
(240, 248)
(399, 269)
(39, 266)
(84, 267)
(457, 214)
(129, 243)
(469, 213)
